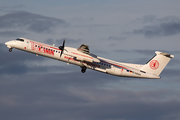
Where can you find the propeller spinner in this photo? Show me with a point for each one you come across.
(62, 48)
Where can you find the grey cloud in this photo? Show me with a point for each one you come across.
(19, 68)
(59, 42)
(11, 33)
(15, 62)
(170, 73)
(54, 96)
(17, 56)
(98, 52)
(174, 62)
(68, 41)
(11, 8)
(13, 68)
(50, 41)
(161, 27)
(153, 19)
(151, 52)
(146, 52)
(116, 38)
(29, 21)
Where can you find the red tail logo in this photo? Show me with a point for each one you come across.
(154, 64)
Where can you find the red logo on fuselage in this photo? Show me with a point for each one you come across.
(154, 64)
(38, 47)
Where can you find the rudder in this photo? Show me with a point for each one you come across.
(157, 63)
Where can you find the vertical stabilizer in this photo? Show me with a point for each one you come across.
(157, 63)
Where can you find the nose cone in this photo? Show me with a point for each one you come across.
(6, 43)
(9, 44)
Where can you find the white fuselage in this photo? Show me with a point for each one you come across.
(73, 56)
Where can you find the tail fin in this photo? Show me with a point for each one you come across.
(157, 63)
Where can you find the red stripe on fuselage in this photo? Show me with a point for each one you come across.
(82, 55)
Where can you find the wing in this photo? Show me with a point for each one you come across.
(84, 49)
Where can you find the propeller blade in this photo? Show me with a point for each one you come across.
(62, 48)
(63, 43)
(61, 53)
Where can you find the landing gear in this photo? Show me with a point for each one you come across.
(10, 49)
(83, 70)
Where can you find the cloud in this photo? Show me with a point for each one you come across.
(145, 52)
(11, 33)
(167, 26)
(16, 62)
(59, 42)
(116, 38)
(9, 57)
(11, 7)
(52, 96)
(23, 68)
(22, 20)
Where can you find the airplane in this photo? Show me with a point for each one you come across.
(83, 58)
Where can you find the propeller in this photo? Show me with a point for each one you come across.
(62, 48)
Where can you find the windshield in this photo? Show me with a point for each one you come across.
(19, 39)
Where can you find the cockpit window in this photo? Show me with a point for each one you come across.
(19, 39)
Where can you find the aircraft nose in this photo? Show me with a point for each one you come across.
(9, 44)
(6, 43)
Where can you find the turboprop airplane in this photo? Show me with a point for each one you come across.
(83, 58)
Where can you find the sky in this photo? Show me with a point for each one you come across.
(122, 30)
